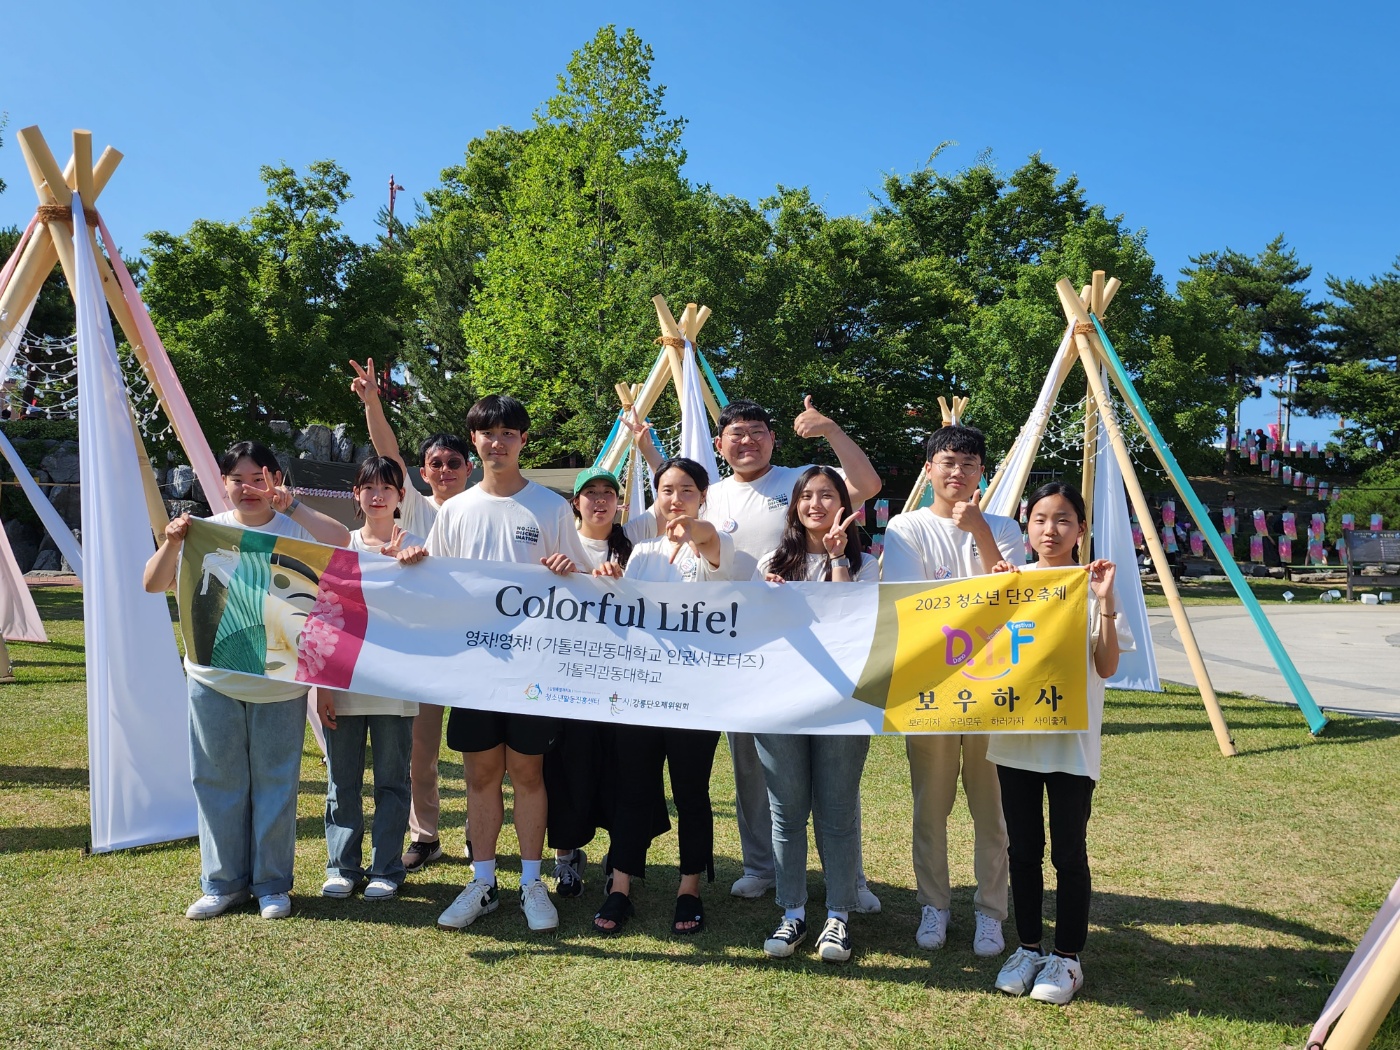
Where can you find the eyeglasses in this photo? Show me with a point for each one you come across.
(950, 467)
(754, 434)
(451, 463)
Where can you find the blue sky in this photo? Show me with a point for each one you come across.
(1207, 124)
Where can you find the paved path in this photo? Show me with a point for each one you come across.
(1348, 655)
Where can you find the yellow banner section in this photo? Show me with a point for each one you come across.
(1006, 653)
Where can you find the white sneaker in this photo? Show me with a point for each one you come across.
(380, 889)
(988, 939)
(933, 928)
(866, 902)
(337, 886)
(834, 944)
(1058, 980)
(540, 912)
(478, 899)
(789, 934)
(275, 905)
(1018, 975)
(212, 904)
(750, 887)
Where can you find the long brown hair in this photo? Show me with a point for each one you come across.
(789, 560)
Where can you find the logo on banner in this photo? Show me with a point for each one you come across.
(981, 655)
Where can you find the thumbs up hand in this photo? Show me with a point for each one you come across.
(968, 516)
(810, 423)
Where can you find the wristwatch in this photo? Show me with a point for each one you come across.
(292, 506)
(842, 562)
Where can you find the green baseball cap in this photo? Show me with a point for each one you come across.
(588, 474)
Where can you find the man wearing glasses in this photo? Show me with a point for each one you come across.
(445, 466)
(751, 506)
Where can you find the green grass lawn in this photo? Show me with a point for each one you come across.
(1229, 894)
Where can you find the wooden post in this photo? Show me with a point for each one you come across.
(1374, 997)
(1073, 309)
(1091, 448)
(1096, 290)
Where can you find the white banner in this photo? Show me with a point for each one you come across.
(994, 653)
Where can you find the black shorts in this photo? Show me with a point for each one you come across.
(469, 730)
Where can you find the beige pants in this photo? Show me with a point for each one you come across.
(423, 772)
(934, 764)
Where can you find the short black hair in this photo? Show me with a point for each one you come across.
(964, 440)
(744, 411)
(498, 410)
(444, 440)
(260, 454)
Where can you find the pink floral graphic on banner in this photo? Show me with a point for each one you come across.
(1290, 525)
(333, 634)
(1285, 549)
(1256, 548)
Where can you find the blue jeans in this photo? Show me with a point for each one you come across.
(819, 775)
(245, 761)
(391, 744)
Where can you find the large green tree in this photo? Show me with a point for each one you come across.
(1357, 376)
(261, 316)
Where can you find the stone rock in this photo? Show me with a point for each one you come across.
(24, 542)
(181, 480)
(62, 463)
(343, 446)
(279, 426)
(315, 442)
(362, 453)
(48, 561)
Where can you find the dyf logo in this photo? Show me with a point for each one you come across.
(533, 692)
(999, 652)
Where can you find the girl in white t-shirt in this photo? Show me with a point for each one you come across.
(353, 719)
(687, 550)
(584, 750)
(1062, 766)
(246, 731)
(817, 775)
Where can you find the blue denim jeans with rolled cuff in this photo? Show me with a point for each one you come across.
(820, 776)
(390, 740)
(245, 762)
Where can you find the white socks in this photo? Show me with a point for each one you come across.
(484, 871)
(529, 871)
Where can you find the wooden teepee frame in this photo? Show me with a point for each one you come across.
(50, 240)
(1095, 352)
(670, 361)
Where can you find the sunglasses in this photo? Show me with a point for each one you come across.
(451, 463)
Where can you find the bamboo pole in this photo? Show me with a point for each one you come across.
(1096, 289)
(82, 167)
(42, 163)
(1374, 997)
(1073, 307)
(1091, 448)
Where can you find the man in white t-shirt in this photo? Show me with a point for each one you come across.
(445, 464)
(953, 539)
(751, 508)
(504, 518)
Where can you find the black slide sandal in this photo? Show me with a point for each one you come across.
(617, 909)
(688, 909)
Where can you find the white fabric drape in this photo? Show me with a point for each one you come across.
(1113, 539)
(19, 619)
(697, 442)
(57, 528)
(138, 743)
(1004, 501)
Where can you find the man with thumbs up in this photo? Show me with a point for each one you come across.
(751, 506)
(953, 539)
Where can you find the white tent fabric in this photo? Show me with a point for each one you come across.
(19, 619)
(138, 744)
(636, 498)
(1113, 539)
(62, 535)
(697, 442)
(10, 338)
(1004, 501)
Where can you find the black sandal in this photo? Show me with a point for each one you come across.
(617, 909)
(688, 909)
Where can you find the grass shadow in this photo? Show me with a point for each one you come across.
(44, 777)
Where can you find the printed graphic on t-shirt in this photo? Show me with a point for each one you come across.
(777, 502)
(942, 573)
(527, 534)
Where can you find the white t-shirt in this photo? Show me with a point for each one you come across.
(595, 552)
(754, 513)
(651, 562)
(246, 687)
(417, 512)
(1077, 753)
(869, 571)
(641, 526)
(348, 703)
(919, 545)
(524, 528)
